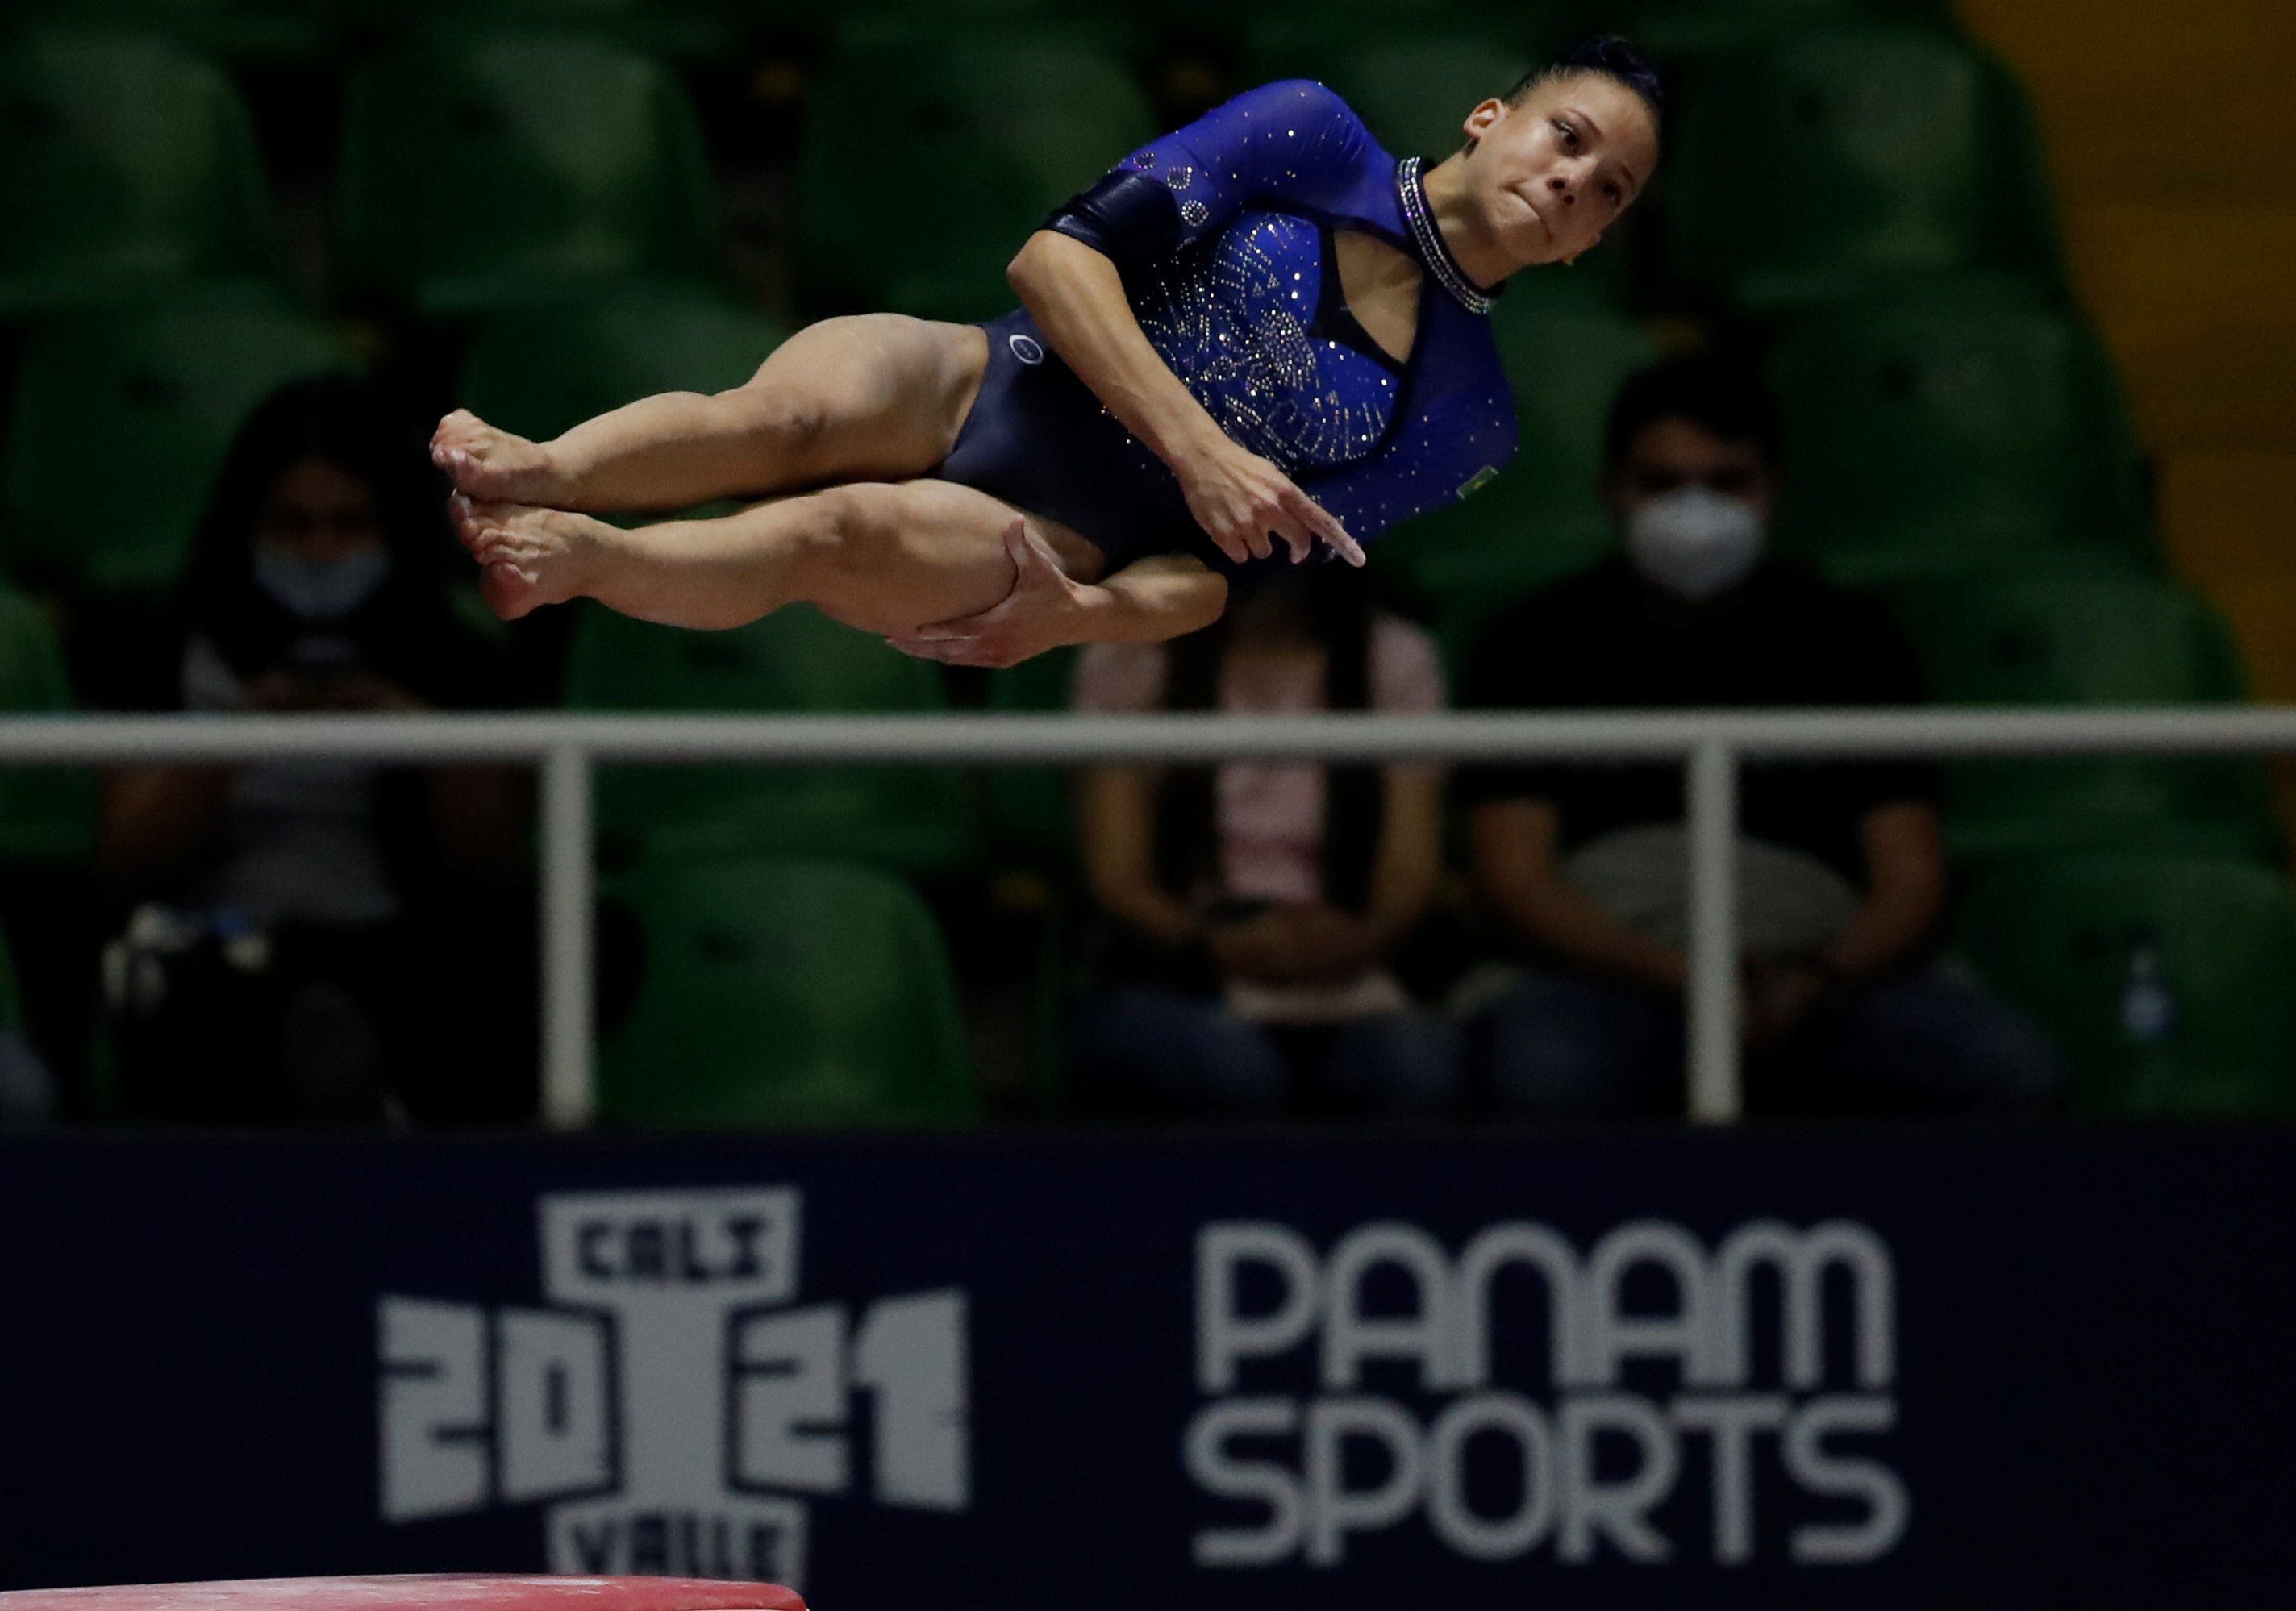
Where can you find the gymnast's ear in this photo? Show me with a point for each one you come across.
(1480, 121)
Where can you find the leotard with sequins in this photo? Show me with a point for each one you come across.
(1224, 231)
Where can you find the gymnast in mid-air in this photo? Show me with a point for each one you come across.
(1258, 341)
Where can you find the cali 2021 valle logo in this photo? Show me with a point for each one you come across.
(671, 1407)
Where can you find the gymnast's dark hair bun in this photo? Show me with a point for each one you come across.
(1615, 59)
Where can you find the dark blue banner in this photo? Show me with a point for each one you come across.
(1614, 1370)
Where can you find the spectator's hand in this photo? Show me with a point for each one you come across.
(1327, 944)
(1304, 944)
(1258, 949)
(1778, 999)
(280, 691)
(1045, 610)
(365, 690)
(1246, 505)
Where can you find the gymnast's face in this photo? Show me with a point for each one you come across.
(1551, 172)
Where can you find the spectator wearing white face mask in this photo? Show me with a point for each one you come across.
(1841, 867)
(320, 940)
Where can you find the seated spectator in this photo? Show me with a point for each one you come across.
(322, 939)
(1250, 911)
(1841, 867)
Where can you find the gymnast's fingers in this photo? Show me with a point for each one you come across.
(1326, 526)
(1229, 544)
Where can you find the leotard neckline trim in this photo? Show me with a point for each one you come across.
(1433, 250)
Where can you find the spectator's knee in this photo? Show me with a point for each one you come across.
(1544, 1050)
(2013, 1064)
(1403, 1062)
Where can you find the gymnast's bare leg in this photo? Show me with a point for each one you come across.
(883, 557)
(871, 398)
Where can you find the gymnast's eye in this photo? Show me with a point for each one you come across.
(1569, 134)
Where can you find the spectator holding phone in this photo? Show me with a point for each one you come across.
(341, 896)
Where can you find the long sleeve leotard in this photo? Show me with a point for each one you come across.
(1224, 233)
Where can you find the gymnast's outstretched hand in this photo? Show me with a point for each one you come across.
(1045, 610)
(1244, 503)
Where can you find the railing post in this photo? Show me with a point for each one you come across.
(1715, 1096)
(568, 1095)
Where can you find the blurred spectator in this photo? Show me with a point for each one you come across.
(328, 940)
(1841, 871)
(28, 1090)
(1251, 910)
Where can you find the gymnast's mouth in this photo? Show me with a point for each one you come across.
(1535, 210)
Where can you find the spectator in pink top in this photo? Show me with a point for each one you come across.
(1249, 912)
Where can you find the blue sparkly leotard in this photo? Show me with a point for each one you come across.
(1224, 233)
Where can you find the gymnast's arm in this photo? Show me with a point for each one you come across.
(1160, 597)
(1076, 295)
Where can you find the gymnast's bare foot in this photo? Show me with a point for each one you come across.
(485, 462)
(531, 557)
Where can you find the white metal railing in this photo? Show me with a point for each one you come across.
(1712, 745)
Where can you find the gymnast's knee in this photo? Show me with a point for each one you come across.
(790, 425)
(854, 532)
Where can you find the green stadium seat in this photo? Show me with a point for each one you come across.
(1030, 817)
(1544, 518)
(265, 32)
(2092, 640)
(1823, 166)
(1983, 426)
(540, 371)
(2089, 944)
(988, 132)
(1412, 86)
(12, 995)
(506, 171)
(691, 31)
(1683, 31)
(783, 994)
(1259, 23)
(129, 172)
(47, 814)
(794, 662)
(119, 426)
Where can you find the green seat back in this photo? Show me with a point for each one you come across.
(47, 814)
(784, 992)
(793, 662)
(1029, 809)
(2085, 640)
(1822, 165)
(1974, 423)
(1413, 86)
(499, 171)
(1544, 518)
(540, 370)
(1678, 31)
(127, 168)
(982, 136)
(2067, 938)
(119, 427)
(12, 994)
(264, 31)
(682, 28)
